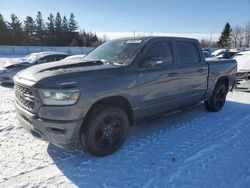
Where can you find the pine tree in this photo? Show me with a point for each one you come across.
(29, 30)
(16, 31)
(40, 29)
(3, 31)
(65, 29)
(58, 23)
(65, 24)
(72, 23)
(58, 29)
(50, 35)
(51, 23)
(225, 38)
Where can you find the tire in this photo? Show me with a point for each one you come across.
(106, 131)
(218, 98)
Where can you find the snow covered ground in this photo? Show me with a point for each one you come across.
(193, 148)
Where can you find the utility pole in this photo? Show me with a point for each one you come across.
(211, 39)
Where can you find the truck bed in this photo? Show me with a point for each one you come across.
(219, 68)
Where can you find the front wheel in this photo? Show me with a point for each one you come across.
(106, 131)
(217, 99)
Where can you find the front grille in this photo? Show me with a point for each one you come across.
(25, 96)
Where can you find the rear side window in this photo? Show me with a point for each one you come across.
(47, 59)
(60, 57)
(188, 52)
(54, 58)
(50, 58)
(160, 51)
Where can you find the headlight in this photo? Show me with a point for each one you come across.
(59, 97)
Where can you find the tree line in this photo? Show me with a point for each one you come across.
(55, 31)
(231, 37)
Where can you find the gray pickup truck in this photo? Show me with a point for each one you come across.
(94, 101)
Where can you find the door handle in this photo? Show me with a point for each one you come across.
(172, 74)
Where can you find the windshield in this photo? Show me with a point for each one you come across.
(31, 57)
(116, 51)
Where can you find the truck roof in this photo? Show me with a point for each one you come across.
(147, 38)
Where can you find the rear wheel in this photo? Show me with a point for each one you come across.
(106, 131)
(217, 99)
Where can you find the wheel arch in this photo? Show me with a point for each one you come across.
(117, 101)
(223, 79)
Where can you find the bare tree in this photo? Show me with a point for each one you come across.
(236, 34)
(205, 43)
(247, 34)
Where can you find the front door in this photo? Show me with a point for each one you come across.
(157, 78)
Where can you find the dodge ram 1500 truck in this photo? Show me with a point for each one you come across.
(94, 101)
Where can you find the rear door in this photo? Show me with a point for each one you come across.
(157, 84)
(192, 72)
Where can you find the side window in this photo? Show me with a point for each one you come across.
(42, 60)
(160, 53)
(46, 59)
(51, 58)
(188, 52)
(59, 57)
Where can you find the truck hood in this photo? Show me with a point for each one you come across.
(60, 68)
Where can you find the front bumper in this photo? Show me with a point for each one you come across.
(7, 77)
(62, 133)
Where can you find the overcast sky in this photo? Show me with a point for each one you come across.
(114, 18)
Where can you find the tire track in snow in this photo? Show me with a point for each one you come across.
(198, 154)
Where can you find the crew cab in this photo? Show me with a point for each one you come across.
(94, 100)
